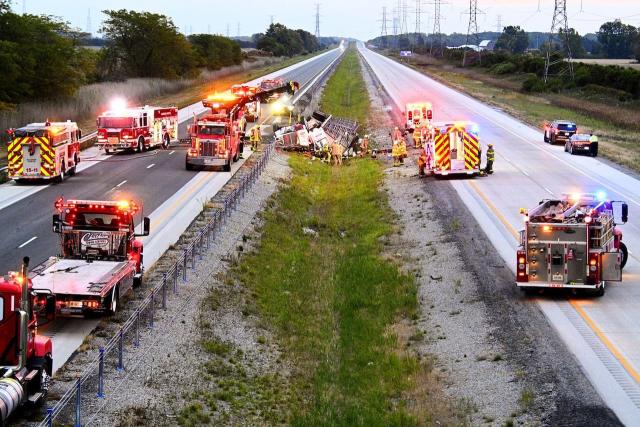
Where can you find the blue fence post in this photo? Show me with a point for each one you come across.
(153, 308)
(100, 394)
(184, 266)
(78, 403)
(164, 291)
(120, 366)
(49, 417)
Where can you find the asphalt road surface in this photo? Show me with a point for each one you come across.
(603, 333)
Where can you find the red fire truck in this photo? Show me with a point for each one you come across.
(572, 242)
(453, 149)
(25, 357)
(137, 128)
(100, 259)
(43, 151)
(417, 115)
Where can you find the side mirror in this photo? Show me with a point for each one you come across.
(56, 223)
(146, 225)
(625, 213)
(620, 216)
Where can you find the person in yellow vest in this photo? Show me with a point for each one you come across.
(402, 151)
(491, 157)
(422, 163)
(425, 134)
(325, 154)
(417, 137)
(255, 137)
(336, 153)
(364, 148)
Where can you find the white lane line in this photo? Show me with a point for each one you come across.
(27, 242)
(548, 191)
(509, 161)
(121, 184)
(524, 172)
(172, 152)
(151, 165)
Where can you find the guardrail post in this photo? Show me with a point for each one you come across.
(175, 280)
(201, 248)
(136, 339)
(49, 417)
(78, 402)
(164, 291)
(184, 266)
(152, 309)
(193, 255)
(120, 366)
(100, 394)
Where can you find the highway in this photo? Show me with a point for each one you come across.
(603, 333)
(172, 197)
(152, 178)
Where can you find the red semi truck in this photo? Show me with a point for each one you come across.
(26, 359)
(101, 258)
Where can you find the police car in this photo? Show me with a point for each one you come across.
(559, 131)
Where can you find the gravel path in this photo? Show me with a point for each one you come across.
(499, 358)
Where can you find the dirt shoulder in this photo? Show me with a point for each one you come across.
(494, 350)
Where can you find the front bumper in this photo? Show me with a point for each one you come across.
(119, 146)
(557, 285)
(207, 161)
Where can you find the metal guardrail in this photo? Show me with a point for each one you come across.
(90, 384)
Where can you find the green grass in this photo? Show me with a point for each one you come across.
(345, 94)
(333, 300)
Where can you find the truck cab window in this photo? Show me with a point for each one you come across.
(1, 309)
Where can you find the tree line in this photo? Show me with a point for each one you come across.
(43, 58)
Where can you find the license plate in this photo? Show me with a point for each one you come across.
(209, 162)
(557, 277)
(585, 148)
(75, 304)
(113, 140)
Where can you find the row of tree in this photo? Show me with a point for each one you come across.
(43, 58)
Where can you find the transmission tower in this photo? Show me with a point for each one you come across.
(560, 31)
(404, 26)
(89, 29)
(228, 30)
(383, 26)
(272, 16)
(472, 29)
(238, 30)
(419, 12)
(318, 20)
(499, 28)
(437, 33)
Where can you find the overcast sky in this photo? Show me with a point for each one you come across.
(348, 18)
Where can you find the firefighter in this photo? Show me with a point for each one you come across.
(491, 156)
(422, 162)
(255, 137)
(325, 154)
(364, 147)
(417, 137)
(336, 153)
(593, 142)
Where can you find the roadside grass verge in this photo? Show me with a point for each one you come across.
(332, 298)
(345, 94)
(620, 144)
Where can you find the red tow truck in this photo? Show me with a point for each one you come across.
(26, 361)
(137, 128)
(101, 258)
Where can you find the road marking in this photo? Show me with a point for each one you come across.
(151, 165)
(614, 351)
(524, 172)
(172, 152)
(27, 242)
(548, 191)
(121, 184)
(495, 211)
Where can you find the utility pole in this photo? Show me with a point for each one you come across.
(89, 29)
(272, 16)
(437, 33)
(318, 20)
(238, 30)
(419, 12)
(208, 28)
(539, 10)
(560, 29)
(499, 28)
(227, 30)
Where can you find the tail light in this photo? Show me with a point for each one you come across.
(429, 114)
(593, 268)
(521, 269)
(410, 115)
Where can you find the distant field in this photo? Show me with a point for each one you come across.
(630, 63)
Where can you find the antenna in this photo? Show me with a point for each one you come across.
(318, 20)
(560, 29)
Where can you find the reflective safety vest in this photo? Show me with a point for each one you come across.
(593, 139)
(491, 155)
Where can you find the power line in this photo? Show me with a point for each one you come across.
(559, 29)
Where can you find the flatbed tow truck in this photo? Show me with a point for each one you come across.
(100, 260)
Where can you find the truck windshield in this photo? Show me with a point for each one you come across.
(567, 126)
(22, 133)
(211, 130)
(98, 221)
(115, 122)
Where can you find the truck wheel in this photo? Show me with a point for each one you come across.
(227, 167)
(546, 139)
(625, 255)
(63, 169)
(140, 148)
(235, 156)
(114, 301)
(188, 165)
(72, 171)
(600, 291)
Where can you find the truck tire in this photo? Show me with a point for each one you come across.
(236, 156)
(63, 170)
(546, 139)
(140, 147)
(114, 301)
(625, 255)
(227, 166)
(188, 165)
(76, 160)
(600, 291)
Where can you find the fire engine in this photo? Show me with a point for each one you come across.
(268, 84)
(43, 151)
(137, 128)
(454, 149)
(26, 361)
(572, 242)
(100, 259)
(216, 138)
(418, 114)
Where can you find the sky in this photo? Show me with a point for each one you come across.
(359, 19)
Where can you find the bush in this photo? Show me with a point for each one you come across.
(598, 91)
(504, 68)
(533, 84)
